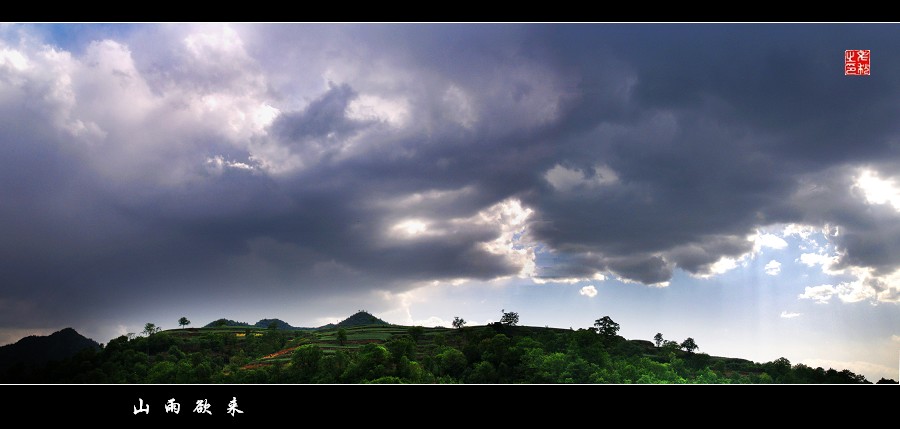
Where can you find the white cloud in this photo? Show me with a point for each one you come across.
(786, 315)
(773, 268)
(878, 190)
(802, 231)
(812, 259)
(864, 283)
(855, 291)
(566, 179)
(769, 240)
(512, 218)
(13, 59)
(864, 287)
(103, 104)
(49, 81)
(821, 294)
(658, 284)
(808, 234)
(723, 265)
(589, 291)
(215, 43)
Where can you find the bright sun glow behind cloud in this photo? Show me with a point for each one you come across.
(878, 190)
(410, 227)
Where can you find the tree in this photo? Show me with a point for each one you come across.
(511, 318)
(606, 327)
(459, 322)
(450, 362)
(658, 338)
(150, 329)
(416, 332)
(183, 322)
(778, 369)
(400, 347)
(342, 336)
(689, 345)
(305, 362)
(669, 347)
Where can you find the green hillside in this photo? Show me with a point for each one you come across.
(377, 352)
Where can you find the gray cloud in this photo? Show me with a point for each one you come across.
(323, 117)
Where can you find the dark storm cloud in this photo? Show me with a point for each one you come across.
(711, 131)
(721, 124)
(322, 117)
(784, 81)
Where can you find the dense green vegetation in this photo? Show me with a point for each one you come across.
(381, 353)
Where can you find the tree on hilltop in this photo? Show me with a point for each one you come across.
(689, 345)
(509, 318)
(150, 329)
(459, 322)
(606, 327)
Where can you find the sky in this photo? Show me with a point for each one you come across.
(725, 182)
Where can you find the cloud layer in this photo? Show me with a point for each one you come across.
(204, 159)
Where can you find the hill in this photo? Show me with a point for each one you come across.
(279, 324)
(263, 323)
(361, 318)
(38, 350)
(225, 322)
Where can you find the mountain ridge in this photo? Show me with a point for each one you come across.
(360, 318)
(38, 350)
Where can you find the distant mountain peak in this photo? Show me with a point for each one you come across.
(360, 318)
(278, 323)
(38, 350)
(225, 322)
(66, 332)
